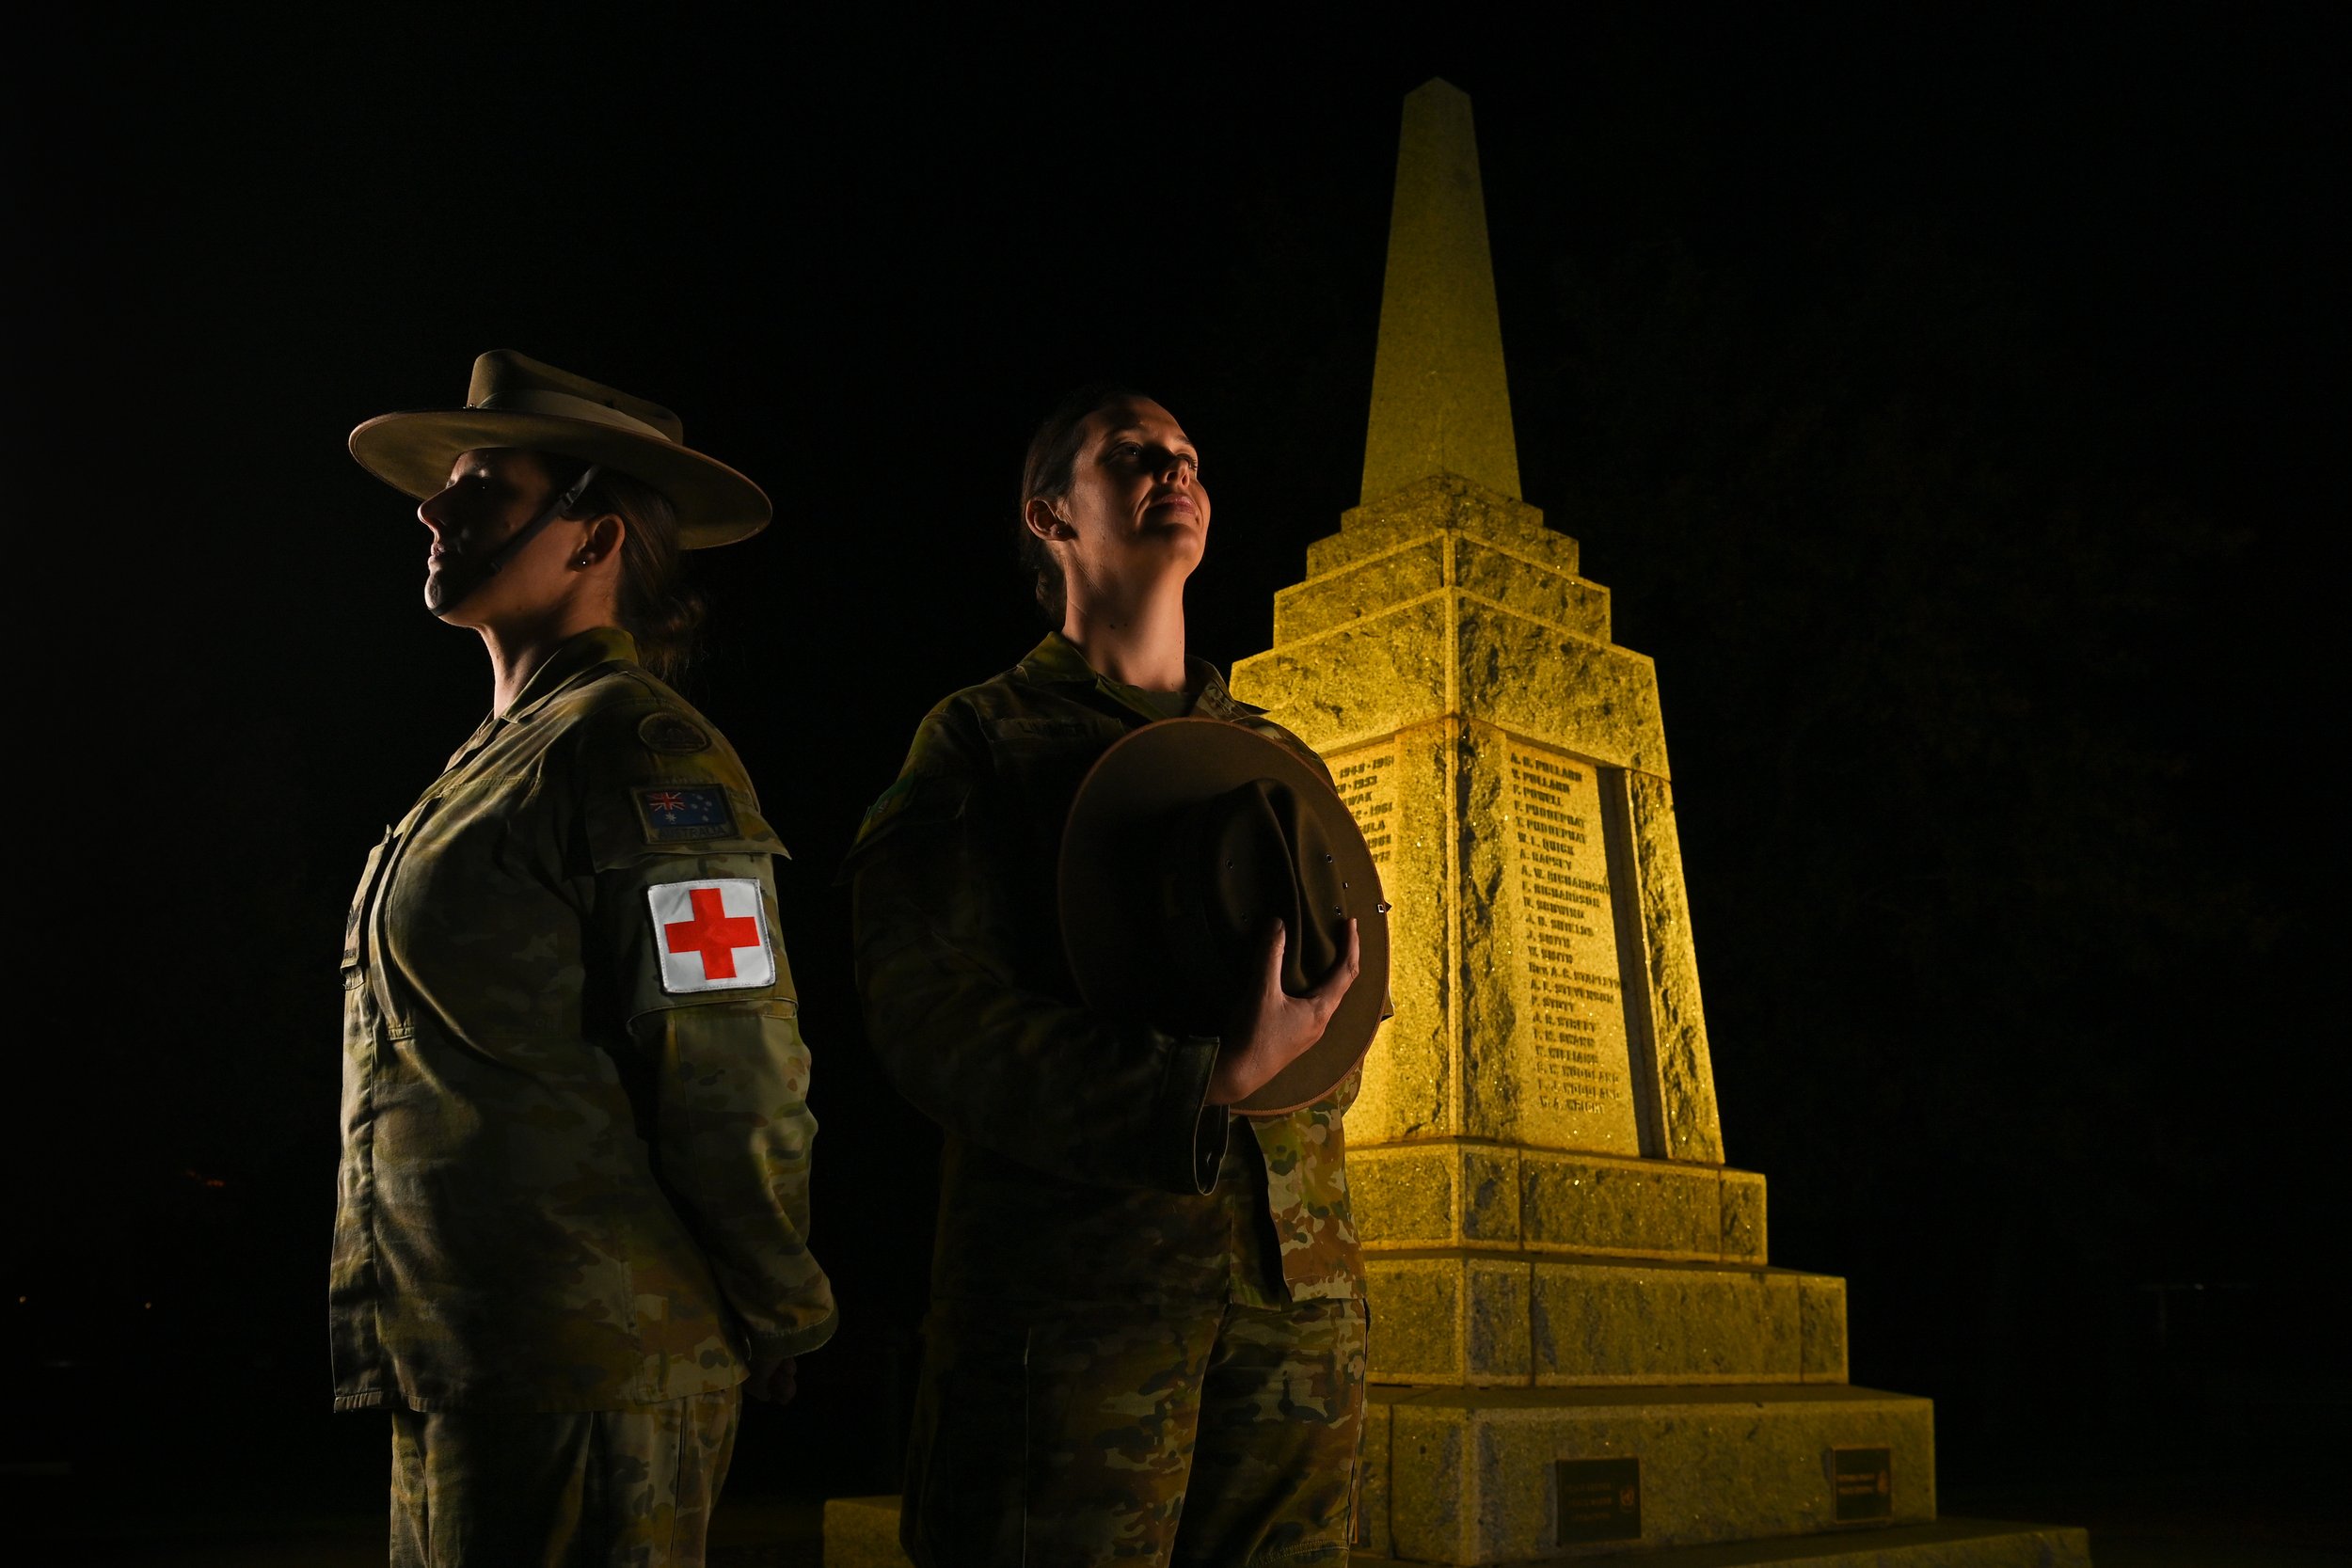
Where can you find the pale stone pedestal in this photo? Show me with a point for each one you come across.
(863, 1532)
(1470, 1476)
(1945, 1543)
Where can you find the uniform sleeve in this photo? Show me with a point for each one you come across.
(686, 914)
(1034, 1078)
(1342, 1094)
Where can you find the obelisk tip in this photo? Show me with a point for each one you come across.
(1439, 401)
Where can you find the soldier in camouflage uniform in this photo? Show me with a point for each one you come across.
(1147, 1332)
(574, 1191)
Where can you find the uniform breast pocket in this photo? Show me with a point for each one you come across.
(1043, 759)
(356, 921)
(1022, 734)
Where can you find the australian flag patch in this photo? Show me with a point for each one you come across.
(680, 813)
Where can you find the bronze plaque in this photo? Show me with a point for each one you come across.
(1598, 1499)
(1862, 1480)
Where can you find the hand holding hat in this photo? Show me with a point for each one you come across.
(1271, 1028)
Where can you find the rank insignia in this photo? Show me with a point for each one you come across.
(712, 935)
(680, 813)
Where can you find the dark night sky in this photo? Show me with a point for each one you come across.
(1954, 406)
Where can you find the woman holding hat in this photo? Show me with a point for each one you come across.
(1147, 1332)
(573, 1201)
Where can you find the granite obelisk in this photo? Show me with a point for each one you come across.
(1577, 1346)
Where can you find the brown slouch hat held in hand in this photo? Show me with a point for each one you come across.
(1187, 837)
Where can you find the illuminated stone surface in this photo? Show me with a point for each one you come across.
(863, 1532)
(1466, 1475)
(1446, 1192)
(1561, 1265)
(1526, 835)
(1429, 503)
(1508, 575)
(1470, 1319)
(1439, 402)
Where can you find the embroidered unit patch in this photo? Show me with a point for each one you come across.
(680, 814)
(669, 731)
(712, 935)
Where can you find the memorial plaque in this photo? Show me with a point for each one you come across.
(1598, 1500)
(1862, 1483)
(1405, 1074)
(1577, 1091)
(1366, 781)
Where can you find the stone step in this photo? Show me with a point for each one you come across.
(1475, 1476)
(1428, 505)
(1499, 572)
(1467, 1193)
(863, 1532)
(1475, 1320)
(1399, 667)
(1945, 1543)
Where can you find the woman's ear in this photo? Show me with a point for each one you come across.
(1044, 521)
(602, 541)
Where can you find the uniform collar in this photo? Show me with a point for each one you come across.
(1055, 662)
(590, 650)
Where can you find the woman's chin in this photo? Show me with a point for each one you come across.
(445, 599)
(1181, 538)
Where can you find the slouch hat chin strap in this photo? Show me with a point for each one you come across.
(515, 547)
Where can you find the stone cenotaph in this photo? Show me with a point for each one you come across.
(1577, 1346)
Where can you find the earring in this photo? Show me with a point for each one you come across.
(584, 561)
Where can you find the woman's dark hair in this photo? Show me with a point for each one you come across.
(1047, 473)
(658, 607)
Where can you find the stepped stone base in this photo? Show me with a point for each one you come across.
(1478, 1475)
(1479, 1196)
(1945, 1543)
(1474, 1475)
(1489, 1319)
(863, 1532)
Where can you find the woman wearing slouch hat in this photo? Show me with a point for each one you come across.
(1119, 938)
(573, 1204)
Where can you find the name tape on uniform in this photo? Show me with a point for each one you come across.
(712, 935)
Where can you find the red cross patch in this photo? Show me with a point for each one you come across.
(712, 935)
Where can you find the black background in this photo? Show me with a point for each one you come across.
(1953, 404)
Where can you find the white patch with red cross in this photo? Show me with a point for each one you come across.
(712, 935)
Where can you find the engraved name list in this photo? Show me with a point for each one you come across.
(1571, 1033)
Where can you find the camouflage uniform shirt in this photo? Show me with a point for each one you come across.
(571, 1179)
(1082, 1161)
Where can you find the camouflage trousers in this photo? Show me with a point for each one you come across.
(587, 1489)
(1216, 1437)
